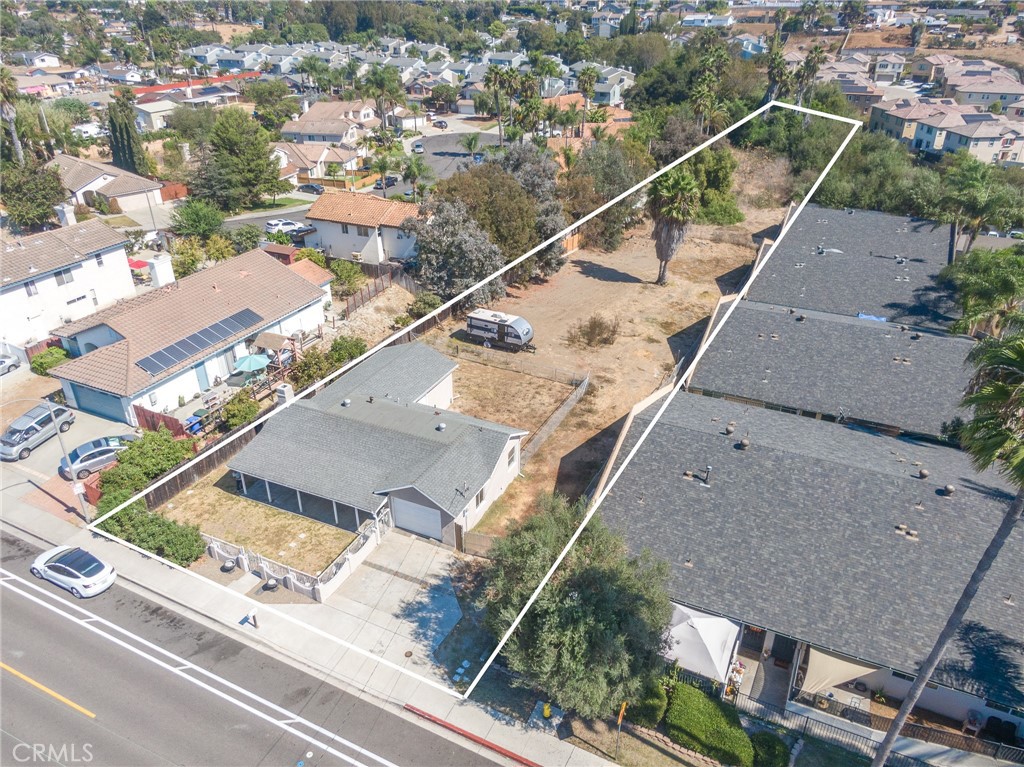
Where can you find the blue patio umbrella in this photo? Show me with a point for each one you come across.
(252, 362)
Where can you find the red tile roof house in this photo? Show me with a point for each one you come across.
(176, 340)
(362, 227)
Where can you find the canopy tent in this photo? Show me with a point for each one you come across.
(702, 643)
(827, 670)
(252, 363)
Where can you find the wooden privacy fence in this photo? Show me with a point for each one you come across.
(534, 441)
(373, 288)
(152, 421)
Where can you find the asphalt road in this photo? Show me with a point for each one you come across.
(119, 707)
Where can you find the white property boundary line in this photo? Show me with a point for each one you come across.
(249, 602)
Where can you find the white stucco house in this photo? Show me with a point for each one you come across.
(85, 180)
(362, 227)
(176, 340)
(152, 116)
(379, 443)
(57, 277)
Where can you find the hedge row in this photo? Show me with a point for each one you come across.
(650, 709)
(707, 726)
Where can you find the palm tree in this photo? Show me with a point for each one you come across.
(470, 142)
(599, 133)
(975, 198)
(777, 70)
(994, 435)
(8, 94)
(989, 289)
(384, 87)
(570, 119)
(416, 170)
(494, 82)
(351, 71)
(585, 82)
(543, 69)
(550, 115)
(805, 74)
(569, 157)
(382, 165)
(415, 109)
(672, 201)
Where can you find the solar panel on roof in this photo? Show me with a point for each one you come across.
(197, 342)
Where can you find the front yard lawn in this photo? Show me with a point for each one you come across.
(818, 753)
(214, 506)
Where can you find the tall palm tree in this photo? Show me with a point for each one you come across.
(994, 435)
(672, 201)
(416, 170)
(494, 82)
(777, 70)
(550, 115)
(975, 198)
(804, 77)
(415, 109)
(470, 142)
(543, 69)
(384, 87)
(569, 157)
(571, 116)
(9, 113)
(585, 82)
(382, 165)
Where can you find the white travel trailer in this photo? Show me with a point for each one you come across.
(506, 331)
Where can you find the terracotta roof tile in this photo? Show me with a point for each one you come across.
(148, 323)
(312, 272)
(343, 207)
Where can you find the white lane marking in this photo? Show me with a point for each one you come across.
(184, 665)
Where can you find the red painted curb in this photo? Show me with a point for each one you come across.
(475, 738)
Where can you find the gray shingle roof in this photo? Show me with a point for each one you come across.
(354, 454)
(886, 267)
(404, 373)
(866, 370)
(797, 535)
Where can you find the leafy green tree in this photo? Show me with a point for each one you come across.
(444, 96)
(219, 248)
(274, 102)
(47, 359)
(196, 218)
(712, 169)
(673, 201)
(240, 409)
(345, 348)
(596, 632)
(423, 304)
(311, 367)
(311, 254)
(77, 111)
(242, 159)
(383, 85)
(245, 238)
(30, 193)
(993, 437)
(126, 148)
(348, 277)
(498, 203)
(454, 252)
(192, 125)
(612, 173)
(278, 237)
(975, 197)
(186, 257)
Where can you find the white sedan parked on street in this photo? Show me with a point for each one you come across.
(74, 569)
(281, 225)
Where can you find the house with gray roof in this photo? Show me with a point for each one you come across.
(841, 552)
(86, 181)
(379, 443)
(850, 369)
(857, 263)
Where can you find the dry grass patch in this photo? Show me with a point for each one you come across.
(213, 505)
(505, 396)
(635, 750)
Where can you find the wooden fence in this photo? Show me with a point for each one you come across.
(534, 441)
(152, 421)
(42, 346)
(380, 278)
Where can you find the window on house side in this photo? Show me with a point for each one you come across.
(99, 259)
(511, 456)
(480, 497)
(362, 231)
(31, 288)
(64, 277)
(344, 228)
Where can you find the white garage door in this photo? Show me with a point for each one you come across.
(416, 519)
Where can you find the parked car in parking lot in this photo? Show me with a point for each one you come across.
(29, 431)
(417, 148)
(93, 456)
(74, 569)
(390, 181)
(441, 124)
(1017, 234)
(281, 225)
(478, 158)
(8, 362)
(311, 189)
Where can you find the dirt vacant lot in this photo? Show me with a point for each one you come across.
(213, 505)
(505, 396)
(372, 321)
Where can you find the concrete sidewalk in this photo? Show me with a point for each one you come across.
(304, 636)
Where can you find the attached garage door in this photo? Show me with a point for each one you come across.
(416, 519)
(99, 403)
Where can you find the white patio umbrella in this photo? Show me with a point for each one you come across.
(702, 643)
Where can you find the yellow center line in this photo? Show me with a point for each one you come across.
(48, 691)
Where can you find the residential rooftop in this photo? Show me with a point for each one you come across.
(344, 207)
(839, 367)
(860, 262)
(34, 255)
(798, 534)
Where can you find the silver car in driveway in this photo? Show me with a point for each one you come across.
(74, 569)
(29, 431)
(8, 362)
(93, 456)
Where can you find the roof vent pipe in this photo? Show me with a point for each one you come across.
(744, 443)
(442, 426)
(949, 489)
(923, 473)
(346, 402)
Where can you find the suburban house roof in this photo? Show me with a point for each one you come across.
(798, 534)
(312, 272)
(403, 373)
(338, 127)
(76, 173)
(860, 262)
(154, 320)
(357, 453)
(35, 255)
(343, 207)
(839, 366)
